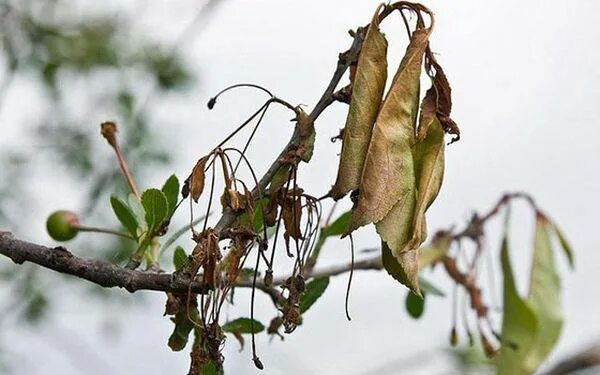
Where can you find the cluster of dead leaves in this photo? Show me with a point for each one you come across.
(392, 156)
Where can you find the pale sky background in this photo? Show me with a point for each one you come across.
(526, 85)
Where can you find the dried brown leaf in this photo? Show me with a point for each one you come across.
(437, 101)
(291, 215)
(429, 173)
(368, 84)
(388, 174)
(196, 179)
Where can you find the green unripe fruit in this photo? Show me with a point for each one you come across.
(62, 225)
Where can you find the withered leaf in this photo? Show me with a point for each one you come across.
(403, 267)
(196, 179)
(367, 90)
(429, 173)
(291, 215)
(437, 102)
(388, 174)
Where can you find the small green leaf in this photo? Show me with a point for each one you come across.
(428, 288)
(181, 332)
(171, 191)
(156, 207)
(314, 289)
(415, 305)
(179, 258)
(243, 325)
(338, 227)
(138, 211)
(519, 323)
(564, 244)
(125, 215)
(544, 297)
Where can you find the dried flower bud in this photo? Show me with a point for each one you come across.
(108, 129)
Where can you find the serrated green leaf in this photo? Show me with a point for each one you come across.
(179, 258)
(125, 215)
(181, 332)
(544, 297)
(171, 191)
(314, 289)
(156, 207)
(519, 323)
(415, 305)
(243, 325)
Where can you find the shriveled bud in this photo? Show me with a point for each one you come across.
(108, 129)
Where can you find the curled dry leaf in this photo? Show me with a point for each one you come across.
(429, 173)
(306, 129)
(367, 91)
(388, 176)
(437, 102)
(292, 215)
(195, 183)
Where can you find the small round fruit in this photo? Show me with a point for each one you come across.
(62, 225)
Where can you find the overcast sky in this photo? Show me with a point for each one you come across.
(526, 86)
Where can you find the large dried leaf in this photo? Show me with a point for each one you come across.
(388, 172)
(544, 297)
(429, 173)
(367, 91)
(519, 323)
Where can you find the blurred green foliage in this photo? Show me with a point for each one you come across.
(84, 66)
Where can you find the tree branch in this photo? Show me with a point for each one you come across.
(109, 275)
(99, 272)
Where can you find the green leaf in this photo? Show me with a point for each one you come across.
(519, 323)
(181, 332)
(156, 207)
(125, 215)
(179, 258)
(243, 325)
(415, 305)
(138, 211)
(171, 191)
(544, 297)
(338, 227)
(564, 244)
(428, 288)
(314, 289)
